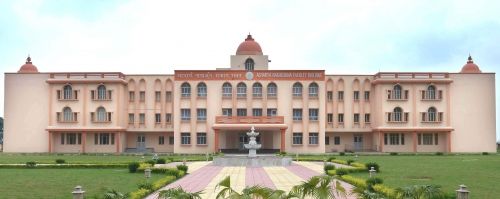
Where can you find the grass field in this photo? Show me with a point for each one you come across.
(59, 183)
(480, 173)
(10, 158)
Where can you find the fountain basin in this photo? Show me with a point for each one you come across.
(258, 161)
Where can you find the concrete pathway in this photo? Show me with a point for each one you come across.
(283, 178)
(258, 176)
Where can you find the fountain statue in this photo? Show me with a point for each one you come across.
(252, 145)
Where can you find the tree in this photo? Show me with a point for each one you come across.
(320, 187)
(179, 193)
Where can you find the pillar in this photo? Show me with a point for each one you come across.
(449, 141)
(50, 142)
(216, 140)
(117, 141)
(84, 141)
(414, 138)
(381, 141)
(282, 148)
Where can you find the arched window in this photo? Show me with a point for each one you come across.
(397, 91)
(313, 90)
(67, 114)
(431, 112)
(241, 90)
(67, 92)
(227, 90)
(101, 92)
(257, 90)
(101, 114)
(202, 90)
(185, 90)
(297, 89)
(272, 90)
(249, 64)
(431, 92)
(398, 114)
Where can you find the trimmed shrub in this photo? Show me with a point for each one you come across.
(162, 182)
(139, 194)
(133, 166)
(340, 161)
(161, 161)
(387, 191)
(439, 153)
(341, 171)
(173, 172)
(349, 161)
(342, 153)
(485, 153)
(68, 166)
(170, 159)
(331, 172)
(182, 168)
(358, 165)
(328, 167)
(373, 181)
(357, 182)
(145, 185)
(375, 166)
(151, 162)
(393, 153)
(60, 161)
(30, 164)
(331, 158)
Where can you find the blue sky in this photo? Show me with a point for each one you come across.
(343, 37)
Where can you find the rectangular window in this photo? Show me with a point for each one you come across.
(241, 112)
(367, 117)
(402, 139)
(356, 117)
(272, 90)
(168, 118)
(419, 139)
(157, 96)
(313, 114)
(327, 140)
(297, 114)
(257, 112)
(227, 112)
(241, 91)
(201, 114)
(393, 138)
(367, 95)
(436, 139)
(185, 114)
(329, 96)
(171, 140)
(168, 96)
(104, 139)
(202, 90)
(385, 138)
(427, 138)
(142, 118)
(157, 118)
(257, 91)
(72, 138)
(272, 112)
(313, 91)
(131, 118)
(329, 118)
(185, 138)
(297, 138)
(340, 118)
(356, 95)
(201, 138)
(313, 138)
(161, 140)
(336, 140)
(142, 96)
(62, 138)
(131, 96)
(340, 96)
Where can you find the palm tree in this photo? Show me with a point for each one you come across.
(320, 187)
(420, 192)
(113, 194)
(253, 192)
(179, 193)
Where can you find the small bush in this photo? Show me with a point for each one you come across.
(170, 159)
(358, 165)
(341, 171)
(60, 161)
(349, 162)
(339, 161)
(133, 166)
(173, 172)
(485, 153)
(375, 166)
(30, 164)
(161, 161)
(342, 153)
(393, 153)
(283, 153)
(357, 182)
(374, 180)
(182, 168)
(162, 182)
(439, 153)
(151, 162)
(331, 158)
(139, 194)
(145, 185)
(328, 167)
(387, 191)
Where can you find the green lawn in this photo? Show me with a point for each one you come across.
(12, 158)
(480, 173)
(59, 183)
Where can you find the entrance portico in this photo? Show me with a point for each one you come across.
(230, 132)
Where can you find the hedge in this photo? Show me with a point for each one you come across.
(162, 182)
(340, 161)
(139, 194)
(357, 182)
(387, 191)
(64, 166)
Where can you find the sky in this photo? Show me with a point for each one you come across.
(341, 37)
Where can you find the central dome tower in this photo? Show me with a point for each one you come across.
(249, 56)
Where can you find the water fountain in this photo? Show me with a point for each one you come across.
(252, 159)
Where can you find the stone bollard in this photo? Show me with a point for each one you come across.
(78, 193)
(462, 192)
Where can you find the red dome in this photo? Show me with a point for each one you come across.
(249, 47)
(28, 67)
(470, 67)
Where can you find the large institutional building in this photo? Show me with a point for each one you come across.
(204, 111)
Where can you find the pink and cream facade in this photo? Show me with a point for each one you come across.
(204, 111)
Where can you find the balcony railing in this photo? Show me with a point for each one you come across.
(71, 96)
(105, 118)
(71, 118)
(95, 95)
(431, 96)
(397, 95)
(249, 119)
(431, 117)
(397, 117)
